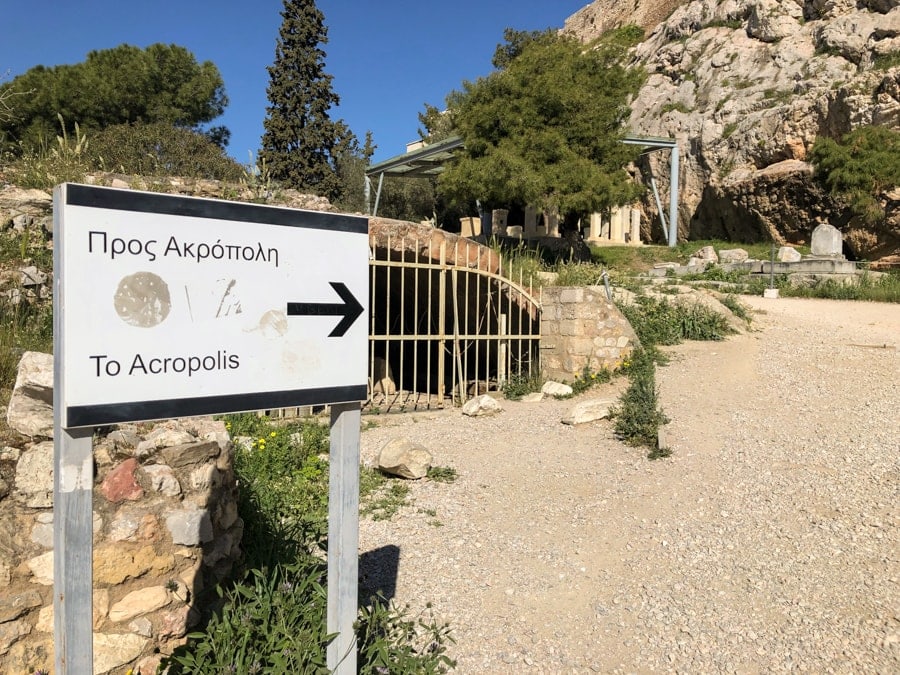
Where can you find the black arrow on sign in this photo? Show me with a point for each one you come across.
(350, 309)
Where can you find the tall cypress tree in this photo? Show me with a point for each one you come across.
(299, 139)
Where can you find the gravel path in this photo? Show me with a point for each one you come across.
(767, 543)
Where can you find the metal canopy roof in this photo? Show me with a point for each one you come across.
(428, 160)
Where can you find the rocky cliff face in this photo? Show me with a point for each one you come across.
(746, 87)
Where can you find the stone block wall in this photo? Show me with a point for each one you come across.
(166, 526)
(581, 329)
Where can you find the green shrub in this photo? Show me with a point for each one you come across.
(393, 642)
(886, 61)
(442, 474)
(579, 274)
(699, 322)
(859, 167)
(273, 622)
(284, 483)
(654, 321)
(160, 150)
(677, 106)
(638, 417)
(660, 322)
(273, 618)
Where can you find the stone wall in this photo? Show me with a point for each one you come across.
(165, 527)
(581, 329)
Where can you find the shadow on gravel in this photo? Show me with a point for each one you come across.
(378, 573)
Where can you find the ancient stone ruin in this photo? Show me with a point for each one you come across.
(166, 528)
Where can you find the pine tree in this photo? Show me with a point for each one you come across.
(299, 139)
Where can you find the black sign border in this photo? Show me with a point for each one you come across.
(197, 207)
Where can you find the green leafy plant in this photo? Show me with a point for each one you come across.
(442, 474)
(868, 287)
(886, 61)
(860, 166)
(586, 380)
(272, 618)
(638, 417)
(778, 95)
(736, 307)
(271, 622)
(381, 497)
(520, 384)
(733, 24)
(49, 164)
(579, 274)
(282, 476)
(660, 322)
(676, 106)
(392, 641)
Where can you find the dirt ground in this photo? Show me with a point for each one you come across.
(766, 543)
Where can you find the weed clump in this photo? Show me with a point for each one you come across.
(272, 618)
(638, 416)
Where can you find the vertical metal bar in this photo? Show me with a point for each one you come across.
(415, 375)
(486, 309)
(478, 314)
(389, 269)
(343, 537)
(659, 208)
(378, 195)
(538, 328)
(373, 276)
(457, 357)
(442, 317)
(673, 198)
(523, 306)
(501, 331)
(73, 478)
(501, 361)
(468, 328)
(430, 341)
(403, 337)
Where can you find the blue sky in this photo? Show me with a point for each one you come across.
(387, 57)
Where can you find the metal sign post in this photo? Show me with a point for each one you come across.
(167, 307)
(343, 537)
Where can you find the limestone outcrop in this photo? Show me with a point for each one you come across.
(746, 87)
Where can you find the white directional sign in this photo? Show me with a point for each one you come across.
(175, 306)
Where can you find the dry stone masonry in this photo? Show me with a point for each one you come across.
(165, 525)
(581, 329)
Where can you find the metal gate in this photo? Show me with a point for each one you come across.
(446, 324)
